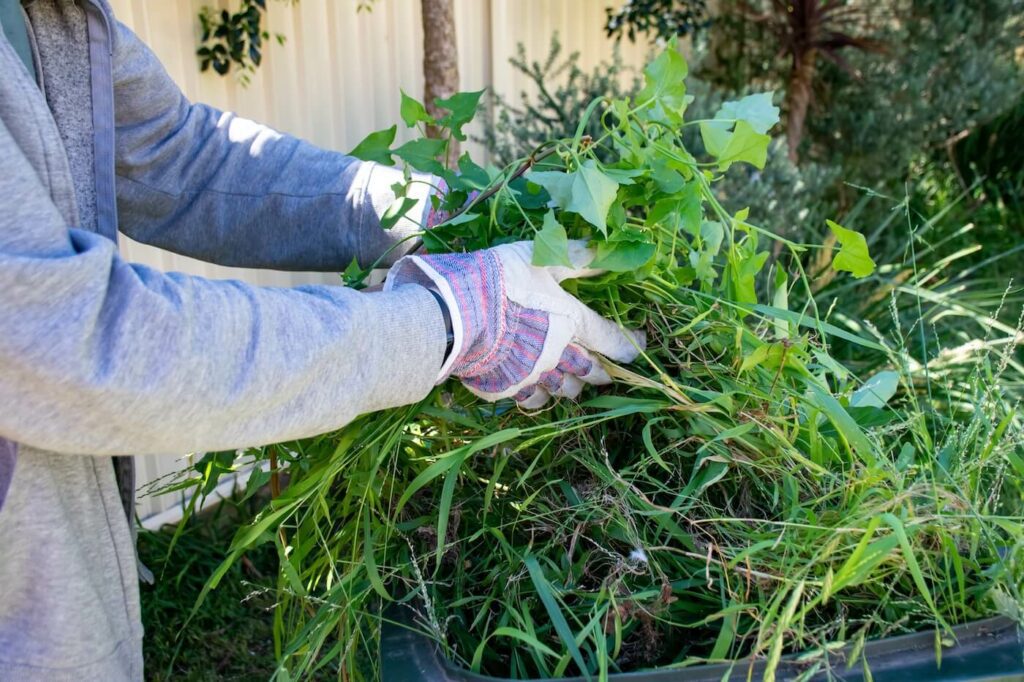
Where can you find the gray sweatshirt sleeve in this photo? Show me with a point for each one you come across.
(101, 356)
(210, 185)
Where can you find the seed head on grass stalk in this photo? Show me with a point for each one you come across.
(739, 493)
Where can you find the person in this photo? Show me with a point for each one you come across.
(101, 359)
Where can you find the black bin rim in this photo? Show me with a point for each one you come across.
(989, 650)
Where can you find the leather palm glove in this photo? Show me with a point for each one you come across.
(517, 333)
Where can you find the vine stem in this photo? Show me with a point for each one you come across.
(524, 168)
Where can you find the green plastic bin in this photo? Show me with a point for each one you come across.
(989, 650)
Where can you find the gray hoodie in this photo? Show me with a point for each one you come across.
(102, 358)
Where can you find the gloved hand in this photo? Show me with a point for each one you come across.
(517, 332)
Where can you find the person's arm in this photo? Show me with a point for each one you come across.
(105, 357)
(213, 186)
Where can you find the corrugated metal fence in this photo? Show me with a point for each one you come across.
(337, 78)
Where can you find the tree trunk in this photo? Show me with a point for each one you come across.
(440, 60)
(799, 94)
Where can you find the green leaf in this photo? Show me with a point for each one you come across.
(622, 256)
(462, 106)
(422, 154)
(592, 194)
(864, 559)
(376, 147)
(471, 175)
(513, 633)
(664, 82)
(413, 112)
(554, 612)
(551, 245)
(624, 176)
(557, 184)
(396, 211)
(369, 560)
(844, 424)
(353, 274)
(737, 133)
(853, 256)
(452, 460)
(713, 233)
(876, 391)
(744, 273)
(586, 191)
(745, 144)
(680, 211)
(715, 135)
(757, 110)
(767, 355)
(911, 558)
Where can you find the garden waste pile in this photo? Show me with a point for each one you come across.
(769, 477)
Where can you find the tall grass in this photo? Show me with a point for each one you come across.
(797, 462)
(859, 478)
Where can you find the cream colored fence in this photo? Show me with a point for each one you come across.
(337, 78)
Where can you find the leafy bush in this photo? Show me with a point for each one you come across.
(773, 475)
(560, 93)
(947, 66)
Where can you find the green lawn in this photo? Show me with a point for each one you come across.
(231, 637)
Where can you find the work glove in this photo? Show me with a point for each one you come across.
(516, 332)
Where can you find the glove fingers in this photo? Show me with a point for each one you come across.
(575, 368)
(571, 387)
(580, 256)
(532, 398)
(602, 335)
(577, 361)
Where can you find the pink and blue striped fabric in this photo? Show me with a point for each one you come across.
(501, 340)
(573, 361)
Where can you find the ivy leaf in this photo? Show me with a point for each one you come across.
(557, 184)
(738, 131)
(622, 256)
(586, 191)
(617, 217)
(471, 175)
(853, 256)
(551, 245)
(713, 234)
(667, 179)
(624, 176)
(680, 211)
(715, 135)
(664, 82)
(353, 274)
(757, 110)
(744, 273)
(413, 112)
(592, 194)
(422, 154)
(462, 106)
(376, 147)
(396, 211)
(529, 194)
(745, 144)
